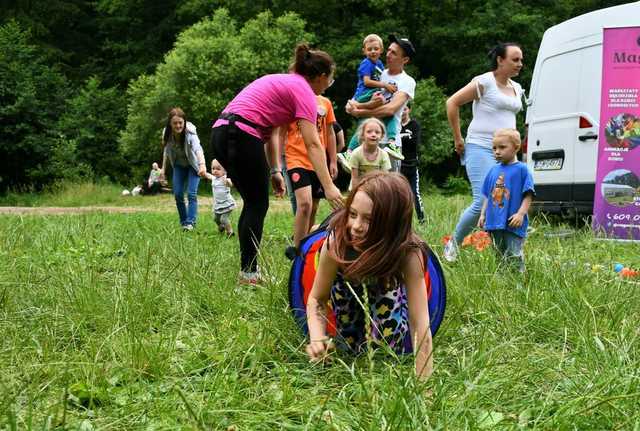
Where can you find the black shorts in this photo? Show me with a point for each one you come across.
(301, 177)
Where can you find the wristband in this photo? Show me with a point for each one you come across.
(275, 171)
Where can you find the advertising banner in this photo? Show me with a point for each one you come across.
(616, 209)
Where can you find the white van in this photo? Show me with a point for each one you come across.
(564, 108)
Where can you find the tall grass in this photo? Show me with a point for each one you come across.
(67, 194)
(122, 321)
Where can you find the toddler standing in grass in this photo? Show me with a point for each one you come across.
(508, 192)
(223, 202)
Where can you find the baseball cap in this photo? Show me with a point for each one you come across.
(404, 43)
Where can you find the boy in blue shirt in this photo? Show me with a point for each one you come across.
(508, 191)
(369, 71)
(371, 93)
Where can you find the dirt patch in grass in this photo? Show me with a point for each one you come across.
(73, 210)
(204, 204)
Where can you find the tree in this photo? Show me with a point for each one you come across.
(134, 35)
(32, 96)
(63, 30)
(128, 43)
(210, 63)
(91, 122)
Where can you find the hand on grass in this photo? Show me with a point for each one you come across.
(318, 350)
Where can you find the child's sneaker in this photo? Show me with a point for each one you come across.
(187, 227)
(451, 250)
(249, 278)
(394, 151)
(344, 160)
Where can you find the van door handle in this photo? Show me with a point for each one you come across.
(588, 136)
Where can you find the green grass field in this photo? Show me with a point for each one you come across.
(121, 321)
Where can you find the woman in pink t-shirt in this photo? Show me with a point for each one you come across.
(245, 125)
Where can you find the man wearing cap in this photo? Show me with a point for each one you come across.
(399, 53)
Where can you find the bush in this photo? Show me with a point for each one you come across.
(210, 63)
(429, 110)
(65, 165)
(456, 186)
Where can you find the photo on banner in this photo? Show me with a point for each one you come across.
(616, 210)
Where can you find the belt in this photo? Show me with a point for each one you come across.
(235, 118)
(232, 136)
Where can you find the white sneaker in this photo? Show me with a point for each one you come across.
(451, 250)
(394, 151)
(187, 227)
(344, 159)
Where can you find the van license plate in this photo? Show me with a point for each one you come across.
(548, 164)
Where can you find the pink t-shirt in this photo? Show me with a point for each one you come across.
(271, 101)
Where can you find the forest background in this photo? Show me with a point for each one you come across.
(85, 85)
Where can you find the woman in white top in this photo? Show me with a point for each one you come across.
(496, 101)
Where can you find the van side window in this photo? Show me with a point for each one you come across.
(560, 76)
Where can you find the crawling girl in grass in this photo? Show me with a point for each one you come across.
(373, 257)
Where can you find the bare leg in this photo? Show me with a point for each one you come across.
(312, 216)
(303, 214)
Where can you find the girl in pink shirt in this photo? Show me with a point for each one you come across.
(245, 125)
